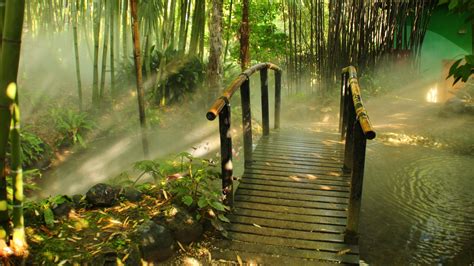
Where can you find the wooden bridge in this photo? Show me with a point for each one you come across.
(298, 201)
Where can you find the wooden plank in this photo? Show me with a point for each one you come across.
(291, 166)
(285, 216)
(288, 252)
(295, 185)
(295, 144)
(334, 161)
(292, 179)
(310, 176)
(296, 159)
(251, 258)
(279, 195)
(288, 150)
(293, 171)
(290, 209)
(292, 202)
(301, 191)
(306, 157)
(296, 243)
(310, 141)
(286, 233)
(295, 225)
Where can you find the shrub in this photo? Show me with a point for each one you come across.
(73, 125)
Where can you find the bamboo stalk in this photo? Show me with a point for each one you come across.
(138, 71)
(105, 50)
(76, 52)
(9, 61)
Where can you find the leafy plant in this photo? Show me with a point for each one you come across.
(33, 149)
(73, 125)
(176, 75)
(189, 180)
(461, 71)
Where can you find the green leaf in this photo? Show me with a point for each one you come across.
(48, 216)
(218, 206)
(188, 200)
(454, 66)
(223, 218)
(453, 4)
(469, 59)
(198, 216)
(202, 202)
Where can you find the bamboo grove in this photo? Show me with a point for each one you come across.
(105, 26)
(324, 36)
(321, 36)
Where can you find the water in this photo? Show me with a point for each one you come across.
(418, 197)
(418, 206)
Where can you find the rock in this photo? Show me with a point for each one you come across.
(155, 242)
(132, 194)
(107, 257)
(183, 225)
(102, 195)
(63, 209)
(135, 257)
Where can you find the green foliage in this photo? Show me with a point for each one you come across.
(44, 208)
(190, 181)
(461, 71)
(267, 42)
(460, 6)
(33, 148)
(73, 125)
(176, 75)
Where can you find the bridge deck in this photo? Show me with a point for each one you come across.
(291, 204)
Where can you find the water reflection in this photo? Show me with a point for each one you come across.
(418, 205)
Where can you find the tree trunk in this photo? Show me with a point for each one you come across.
(214, 67)
(138, 71)
(227, 38)
(244, 36)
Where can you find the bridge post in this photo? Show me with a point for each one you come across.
(265, 108)
(226, 154)
(349, 145)
(342, 105)
(277, 98)
(357, 177)
(246, 120)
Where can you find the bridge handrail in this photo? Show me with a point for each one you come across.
(355, 128)
(221, 108)
(349, 75)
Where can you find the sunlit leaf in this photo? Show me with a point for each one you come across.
(217, 205)
(188, 200)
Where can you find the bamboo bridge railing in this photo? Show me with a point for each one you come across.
(221, 109)
(355, 128)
